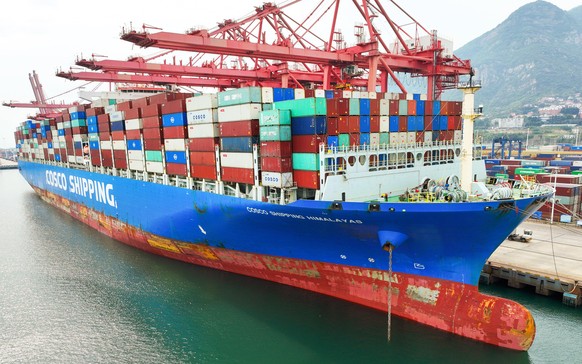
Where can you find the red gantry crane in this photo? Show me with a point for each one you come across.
(272, 48)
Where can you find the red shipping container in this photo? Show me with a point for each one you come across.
(354, 138)
(203, 158)
(175, 106)
(175, 132)
(240, 175)
(152, 144)
(275, 149)
(120, 163)
(428, 120)
(428, 107)
(332, 109)
(79, 152)
(119, 154)
(343, 106)
(80, 130)
(457, 108)
(458, 122)
(306, 179)
(140, 103)
(374, 107)
(94, 111)
(117, 135)
(66, 116)
(104, 127)
(152, 133)
(274, 164)
(411, 107)
(309, 93)
(96, 161)
(374, 124)
(354, 123)
(151, 110)
(124, 106)
(203, 144)
(133, 134)
(450, 123)
(560, 178)
(203, 171)
(420, 136)
(332, 128)
(239, 128)
(104, 135)
(152, 121)
(446, 108)
(177, 169)
(343, 126)
(393, 107)
(403, 123)
(134, 113)
(307, 143)
(103, 119)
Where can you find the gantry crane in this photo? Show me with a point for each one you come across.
(271, 48)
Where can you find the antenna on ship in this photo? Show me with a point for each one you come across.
(469, 114)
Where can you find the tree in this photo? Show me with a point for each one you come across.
(533, 121)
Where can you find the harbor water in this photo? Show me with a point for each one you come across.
(71, 295)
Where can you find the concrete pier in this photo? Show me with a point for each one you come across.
(551, 262)
(7, 164)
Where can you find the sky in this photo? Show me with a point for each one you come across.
(47, 35)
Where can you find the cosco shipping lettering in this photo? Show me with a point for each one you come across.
(305, 169)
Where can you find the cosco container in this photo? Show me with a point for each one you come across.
(176, 157)
(202, 116)
(175, 119)
(275, 179)
(209, 130)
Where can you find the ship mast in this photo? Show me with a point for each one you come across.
(469, 115)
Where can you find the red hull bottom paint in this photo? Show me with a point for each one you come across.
(446, 305)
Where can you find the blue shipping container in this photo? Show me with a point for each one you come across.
(238, 144)
(329, 94)
(309, 125)
(94, 145)
(176, 157)
(436, 107)
(332, 141)
(416, 97)
(93, 128)
(117, 125)
(175, 119)
(49, 144)
(364, 138)
(92, 120)
(134, 144)
(78, 115)
(444, 121)
(289, 93)
(57, 157)
(364, 124)
(61, 132)
(78, 145)
(393, 127)
(364, 106)
(419, 123)
(420, 107)
(411, 123)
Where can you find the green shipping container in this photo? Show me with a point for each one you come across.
(153, 155)
(528, 171)
(275, 133)
(344, 140)
(275, 117)
(238, 96)
(303, 107)
(576, 172)
(93, 137)
(384, 138)
(306, 161)
(78, 122)
(402, 107)
(354, 106)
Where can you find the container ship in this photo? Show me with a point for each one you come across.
(377, 198)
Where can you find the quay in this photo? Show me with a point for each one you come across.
(551, 262)
(7, 164)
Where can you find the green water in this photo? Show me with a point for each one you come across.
(71, 295)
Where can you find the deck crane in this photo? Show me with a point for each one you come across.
(46, 109)
(271, 48)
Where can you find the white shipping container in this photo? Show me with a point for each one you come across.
(66, 125)
(409, 96)
(135, 155)
(205, 101)
(80, 160)
(457, 135)
(372, 95)
(136, 165)
(423, 97)
(411, 137)
(71, 159)
(116, 116)
(239, 112)
(209, 130)
(237, 160)
(110, 108)
(100, 103)
(63, 144)
(60, 125)
(428, 136)
(51, 151)
(384, 124)
(364, 95)
(374, 138)
(62, 138)
(54, 133)
(176, 145)
(73, 109)
(106, 144)
(394, 138)
(299, 93)
(267, 95)
(347, 94)
(356, 95)
(319, 93)
(77, 138)
(274, 179)
(154, 167)
(202, 116)
(119, 145)
(384, 107)
(577, 163)
(134, 124)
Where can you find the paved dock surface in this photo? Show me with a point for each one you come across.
(551, 261)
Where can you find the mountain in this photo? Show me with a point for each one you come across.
(535, 52)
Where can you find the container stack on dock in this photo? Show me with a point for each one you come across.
(254, 135)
